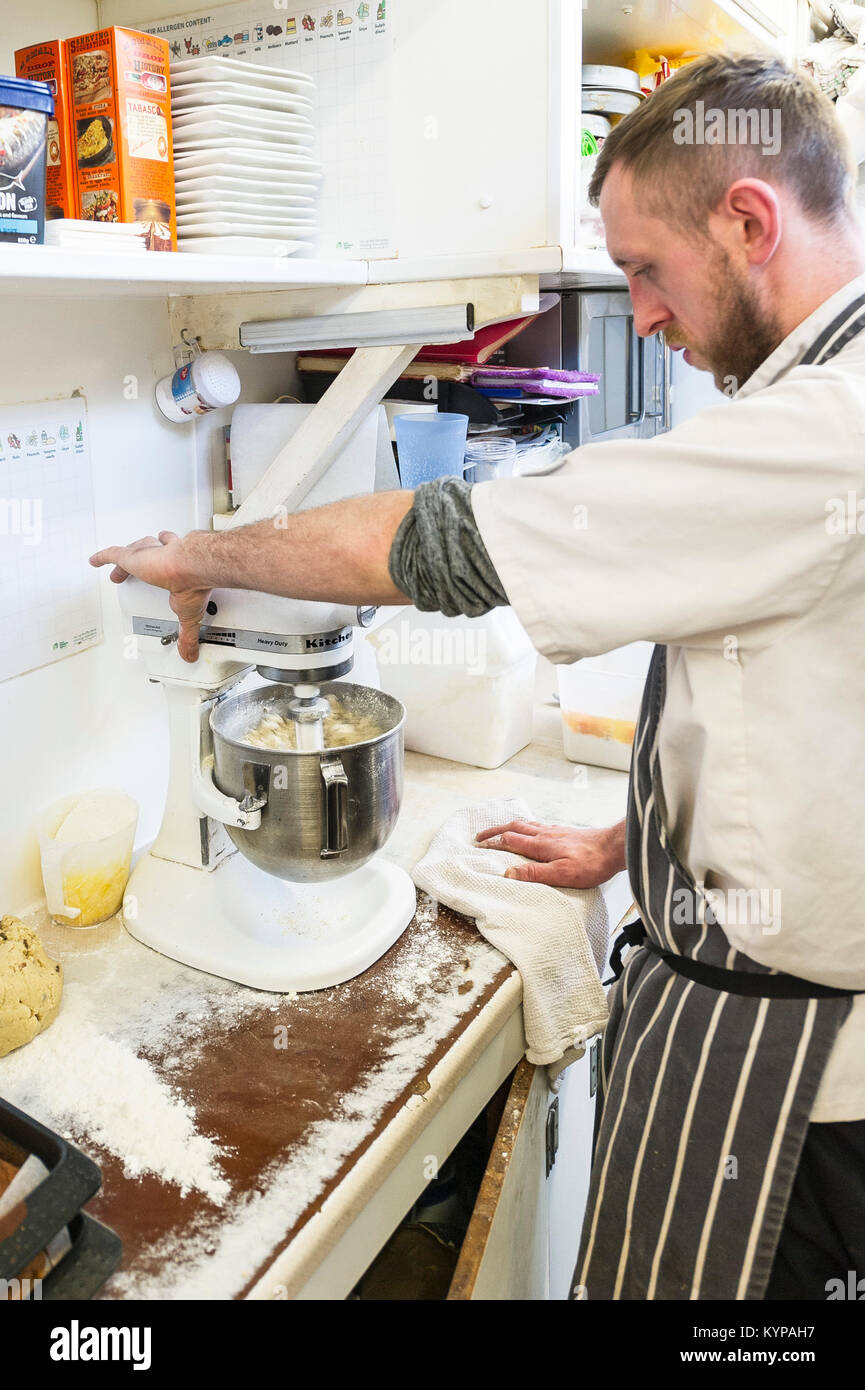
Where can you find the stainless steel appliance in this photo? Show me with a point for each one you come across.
(592, 330)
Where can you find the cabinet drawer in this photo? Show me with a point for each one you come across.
(505, 1254)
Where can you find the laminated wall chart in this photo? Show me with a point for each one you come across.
(347, 49)
(49, 594)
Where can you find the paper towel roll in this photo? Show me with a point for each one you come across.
(258, 432)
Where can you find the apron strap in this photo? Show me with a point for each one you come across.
(756, 985)
(632, 934)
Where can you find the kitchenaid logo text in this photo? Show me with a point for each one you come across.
(21, 516)
(76, 1343)
(735, 126)
(319, 644)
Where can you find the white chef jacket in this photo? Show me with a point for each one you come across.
(733, 539)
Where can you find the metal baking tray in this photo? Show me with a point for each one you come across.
(96, 1253)
(72, 1180)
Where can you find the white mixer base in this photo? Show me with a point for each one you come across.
(262, 931)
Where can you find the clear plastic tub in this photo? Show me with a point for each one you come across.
(600, 700)
(490, 458)
(85, 874)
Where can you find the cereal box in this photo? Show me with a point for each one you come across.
(25, 110)
(121, 116)
(46, 62)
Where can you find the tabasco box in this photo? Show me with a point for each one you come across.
(46, 62)
(121, 120)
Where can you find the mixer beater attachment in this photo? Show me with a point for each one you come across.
(308, 709)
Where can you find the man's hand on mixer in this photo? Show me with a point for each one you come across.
(158, 561)
(560, 855)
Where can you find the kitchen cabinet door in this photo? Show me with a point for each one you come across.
(505, 1254)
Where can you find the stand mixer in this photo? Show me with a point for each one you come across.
(263, 870)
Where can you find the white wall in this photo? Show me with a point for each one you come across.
(92, 719)
(23, 22)
(131, 12)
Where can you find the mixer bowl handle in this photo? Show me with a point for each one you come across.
(256, 782)
(336, 819)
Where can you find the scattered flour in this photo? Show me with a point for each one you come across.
(131, 1017)
(92, 1076)
(85, 1084)
(221, 1254)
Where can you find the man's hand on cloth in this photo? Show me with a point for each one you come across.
(560, 855)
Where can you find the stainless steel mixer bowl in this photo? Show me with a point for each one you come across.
(326, 813)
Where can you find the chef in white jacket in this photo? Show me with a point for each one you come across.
(734, 542)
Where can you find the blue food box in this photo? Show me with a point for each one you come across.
(24, 110)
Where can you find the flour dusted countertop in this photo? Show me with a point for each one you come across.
(241, 1133)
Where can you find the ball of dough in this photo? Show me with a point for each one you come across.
(30, 985)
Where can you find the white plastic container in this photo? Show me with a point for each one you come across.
(600, 699)
(596, 125)
(85, 844)
(467, 683)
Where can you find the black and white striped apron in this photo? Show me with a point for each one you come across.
(709, 1068)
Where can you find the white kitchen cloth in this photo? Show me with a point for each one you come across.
(556, 937)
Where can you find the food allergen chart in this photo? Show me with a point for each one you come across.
(49, 594)
(348, 50)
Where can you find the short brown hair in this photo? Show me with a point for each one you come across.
(684, 181)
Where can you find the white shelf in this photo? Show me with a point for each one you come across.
(48, 270)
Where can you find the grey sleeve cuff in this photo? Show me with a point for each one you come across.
(438, 558)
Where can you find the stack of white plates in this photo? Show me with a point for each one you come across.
(74, 235)
(245, 179)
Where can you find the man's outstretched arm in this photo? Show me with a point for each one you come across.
(418, 547)
(387, 548)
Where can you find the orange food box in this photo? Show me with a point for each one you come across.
(121, 124)
(46, 62)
